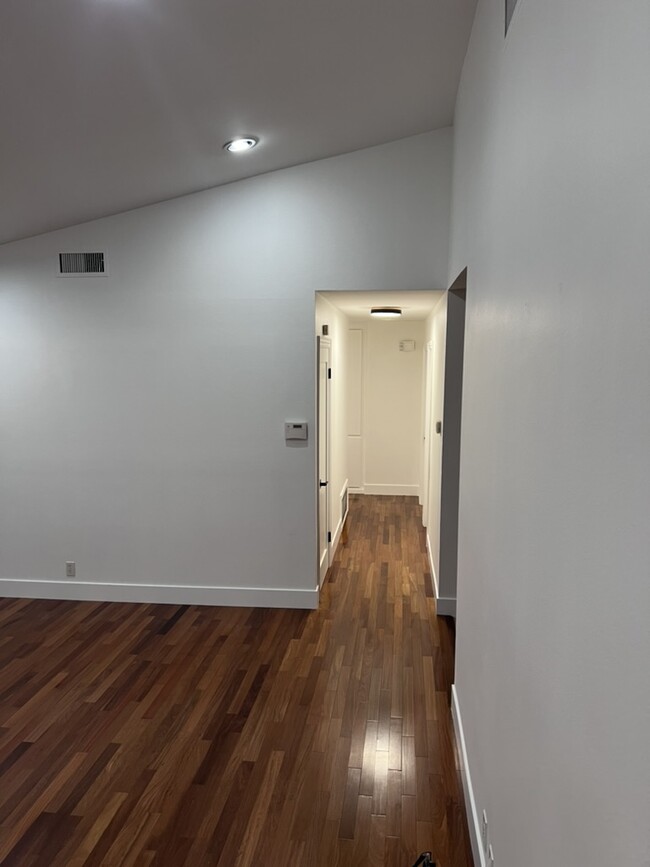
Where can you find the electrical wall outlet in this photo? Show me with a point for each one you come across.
(490, 856)
(484, 831)
(70, 569)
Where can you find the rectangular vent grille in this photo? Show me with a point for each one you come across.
(82, 263)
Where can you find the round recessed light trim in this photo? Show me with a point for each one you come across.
(386, 312)
(240, 144)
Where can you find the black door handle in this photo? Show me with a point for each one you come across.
(425, 860)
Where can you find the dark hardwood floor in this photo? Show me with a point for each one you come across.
(164, 735)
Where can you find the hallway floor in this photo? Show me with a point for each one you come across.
(166, 735)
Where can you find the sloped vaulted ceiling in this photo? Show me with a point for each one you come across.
(107, 105)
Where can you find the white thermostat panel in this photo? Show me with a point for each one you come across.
(295, 430)
(407, 346)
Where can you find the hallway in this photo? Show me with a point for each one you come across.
(165, 735)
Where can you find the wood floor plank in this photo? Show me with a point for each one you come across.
(171, 735)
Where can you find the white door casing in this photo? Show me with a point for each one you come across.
(323, 447)
(427, 432)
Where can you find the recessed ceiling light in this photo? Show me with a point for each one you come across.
(386, 312)
(239, 145)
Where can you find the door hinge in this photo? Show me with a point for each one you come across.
(329, 372)
(329, 536)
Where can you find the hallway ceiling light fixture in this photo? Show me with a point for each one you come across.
(386, 312)
(241, 144)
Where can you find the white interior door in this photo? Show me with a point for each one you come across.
(324, 352)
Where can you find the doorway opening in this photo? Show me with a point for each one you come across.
(370, 409)
(389, 403)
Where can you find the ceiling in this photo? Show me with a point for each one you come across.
(107, 105)
(414, 304)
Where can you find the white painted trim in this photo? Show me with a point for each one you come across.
(352, 490)
(346, 484)
(324, 558)
(323, 566)
(445, 605)
(176, 594)
(392, 490)
(470, 802)
(433, 569)
(336, 536)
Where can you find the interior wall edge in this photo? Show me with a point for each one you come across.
(473, 822)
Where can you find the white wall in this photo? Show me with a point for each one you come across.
(391, 405)
(142, 414)
(337, 323)
(551, 215)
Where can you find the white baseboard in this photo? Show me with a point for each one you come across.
(445, 605)
(336, 535)
(433, 568)
(393, 490)
(470, 802)
(335, 540)
(174, 594)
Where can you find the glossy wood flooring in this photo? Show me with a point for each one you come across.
(162, 735)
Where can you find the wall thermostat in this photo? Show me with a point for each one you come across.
(295, 430)
(407, 346)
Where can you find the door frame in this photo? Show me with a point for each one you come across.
(325, 343)
(427, 431)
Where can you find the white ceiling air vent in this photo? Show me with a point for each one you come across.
(82, 265)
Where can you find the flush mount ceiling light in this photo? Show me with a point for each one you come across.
(386, 312)
(239, 145)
